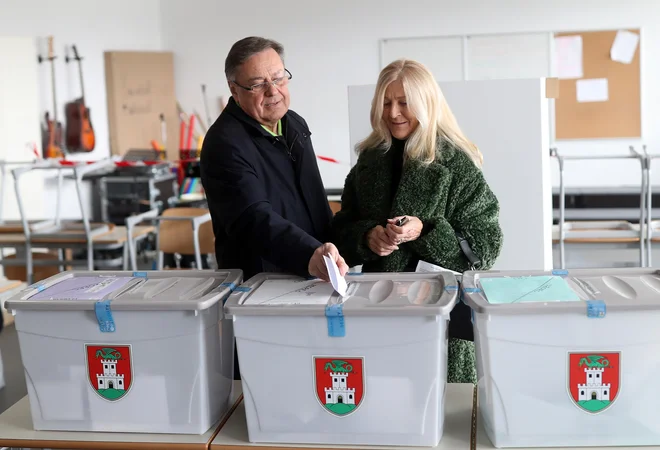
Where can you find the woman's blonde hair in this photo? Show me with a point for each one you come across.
(426, 101)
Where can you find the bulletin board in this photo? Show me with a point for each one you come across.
(619, 116)
(140, 87)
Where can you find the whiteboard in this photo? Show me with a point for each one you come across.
(482, 57)
(508, 121)
(476, 57)
(509, 56)
(442, 55)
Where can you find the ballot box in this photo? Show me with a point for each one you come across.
(567, 358)
(127, 351)
(365, 368)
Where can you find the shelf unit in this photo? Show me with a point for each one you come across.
(609, 232)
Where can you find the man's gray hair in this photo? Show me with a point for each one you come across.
(244, 49)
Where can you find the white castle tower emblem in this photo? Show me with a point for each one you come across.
(339, 392)
(594, 388)
(110, 379)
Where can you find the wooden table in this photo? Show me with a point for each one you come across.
(115, 238)
(457, 433)
(16, 430)
(117, 235)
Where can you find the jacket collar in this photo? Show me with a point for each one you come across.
(253, 125)
(289, 120)
(417, 181)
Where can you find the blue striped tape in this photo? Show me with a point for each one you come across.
(335, 316)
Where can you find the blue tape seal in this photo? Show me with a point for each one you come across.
(471, 290)
(467, 290)
(452, 288)
(104, 316)
(335, 315)
(231, 286)
(355, 273)
(140, 274)
(560, 272)
(242, 289)
(36, 286)
(596, 309)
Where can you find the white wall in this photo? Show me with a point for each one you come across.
(337, 46)
(94, 27)
(19, 130)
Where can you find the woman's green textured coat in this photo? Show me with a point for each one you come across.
(449, 195)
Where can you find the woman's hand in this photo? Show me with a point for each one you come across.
(379, 242)
(407, 232)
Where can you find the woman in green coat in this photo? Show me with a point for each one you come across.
(417, 164)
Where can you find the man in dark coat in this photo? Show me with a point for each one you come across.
(258, 168)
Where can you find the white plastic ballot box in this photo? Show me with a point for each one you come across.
(368, 368)
(567, 358)
(127, 351)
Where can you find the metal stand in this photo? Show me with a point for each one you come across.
(59, 229)
(649, 195)
(16, 225)
(644, 192)
(131, 222)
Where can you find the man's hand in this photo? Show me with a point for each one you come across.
(317, 267)
(379, 242)
(405, 233)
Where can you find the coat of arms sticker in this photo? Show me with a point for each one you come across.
(109, 370)
(339, 383)
(594, 380)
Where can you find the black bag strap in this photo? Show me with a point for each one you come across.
(467, 251)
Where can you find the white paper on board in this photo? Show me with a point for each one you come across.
(338, 282)
(624, 47)
(568, 54)
(592, 90)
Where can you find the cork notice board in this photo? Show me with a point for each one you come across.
(140, 87)
(617, 117)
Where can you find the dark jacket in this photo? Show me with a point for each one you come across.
(265, 194)
(450, 195)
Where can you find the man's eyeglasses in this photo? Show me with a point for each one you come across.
(262, 87)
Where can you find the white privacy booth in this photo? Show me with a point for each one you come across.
(508, 120)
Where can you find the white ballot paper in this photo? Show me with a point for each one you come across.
(338, 282)
(425, 267)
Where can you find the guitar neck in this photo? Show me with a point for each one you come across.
(82, 85)
(51, 58)
(52, 80)
(77, 57)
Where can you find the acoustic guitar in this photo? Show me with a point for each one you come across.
(52, 130)
(79, 131)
